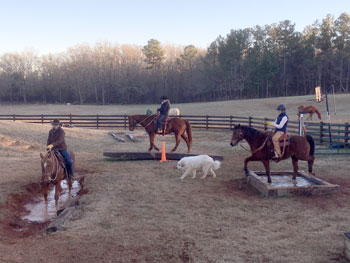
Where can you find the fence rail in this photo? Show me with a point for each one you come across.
(319, 131)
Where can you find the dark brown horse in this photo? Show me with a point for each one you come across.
(300, 148)
(53, 173)
(174, 125)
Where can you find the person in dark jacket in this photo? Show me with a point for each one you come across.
(280, 125)
(163, 112)
(56, 142)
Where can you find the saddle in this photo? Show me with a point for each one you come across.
(284, 141)
(164, 123)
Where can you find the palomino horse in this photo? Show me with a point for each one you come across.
(174, 125)
(300, 148)
(54, 173)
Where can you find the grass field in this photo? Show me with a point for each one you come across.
(257, 108)
(141, 211)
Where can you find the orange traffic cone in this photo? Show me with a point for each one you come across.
(163, 159)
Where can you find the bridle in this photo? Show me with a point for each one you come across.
(141, 122)
(241, 138)
(55, 164)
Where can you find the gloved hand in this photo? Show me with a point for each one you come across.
(49, 147)
(269, 123)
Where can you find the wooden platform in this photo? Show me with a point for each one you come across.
(151, 156)
(283, 185)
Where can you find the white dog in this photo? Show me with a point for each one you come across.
(194, 163)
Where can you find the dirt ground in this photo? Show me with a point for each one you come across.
(256, 108)
(142, 212)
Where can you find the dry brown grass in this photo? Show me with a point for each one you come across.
(141, 211)
(257, 108)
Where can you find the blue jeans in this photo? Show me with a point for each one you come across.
(68, 161)
(159, 121)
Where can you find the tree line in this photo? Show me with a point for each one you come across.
(264, 61)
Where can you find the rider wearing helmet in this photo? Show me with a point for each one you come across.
(57, 142)
(280, 125)
(163, 112)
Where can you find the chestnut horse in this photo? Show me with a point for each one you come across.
(54, 173)
(309, 109)
(174, 125)
(261, 146)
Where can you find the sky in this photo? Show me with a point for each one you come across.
(52, 26)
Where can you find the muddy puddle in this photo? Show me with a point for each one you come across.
(41, 211)
(287, 181)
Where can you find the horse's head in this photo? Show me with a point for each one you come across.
(46, 167)
(237, 135)
(132, 122)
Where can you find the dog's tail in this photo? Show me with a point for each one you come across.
(216, 165)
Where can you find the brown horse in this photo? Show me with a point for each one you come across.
(53, 173)
(300, 148)
(309, 109)
(174, 125)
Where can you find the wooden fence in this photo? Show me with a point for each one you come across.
(319, 130)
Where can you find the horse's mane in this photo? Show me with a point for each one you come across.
(251, 132)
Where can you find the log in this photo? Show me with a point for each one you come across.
(116, 137)
(151, 156)
(64, 215)
(130, 137)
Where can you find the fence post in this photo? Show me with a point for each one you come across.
(321, 132)
(265, 123)
(231, 122)
(250, 121)
(347, 125)
(97, 121)
(42, 118)
(70, 119)
(14, 117)
(207, 120)
(125, 117)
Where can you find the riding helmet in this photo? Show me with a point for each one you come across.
(281, 107)
(164, 98)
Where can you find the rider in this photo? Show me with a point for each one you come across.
(57, 142)
(163, 112)
(280, 125)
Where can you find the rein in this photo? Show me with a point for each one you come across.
(147, 119)
(256, 150)
(55, 164)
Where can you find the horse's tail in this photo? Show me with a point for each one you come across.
(312, 144)
(189, 131)
(318, 114)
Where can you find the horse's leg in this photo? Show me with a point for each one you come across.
(57, 191)
(310, 163)
(295, 167)
(177, 138)
(69, 181)
(184, 137)
(267, 170)
(249, 159)
(45, 187)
